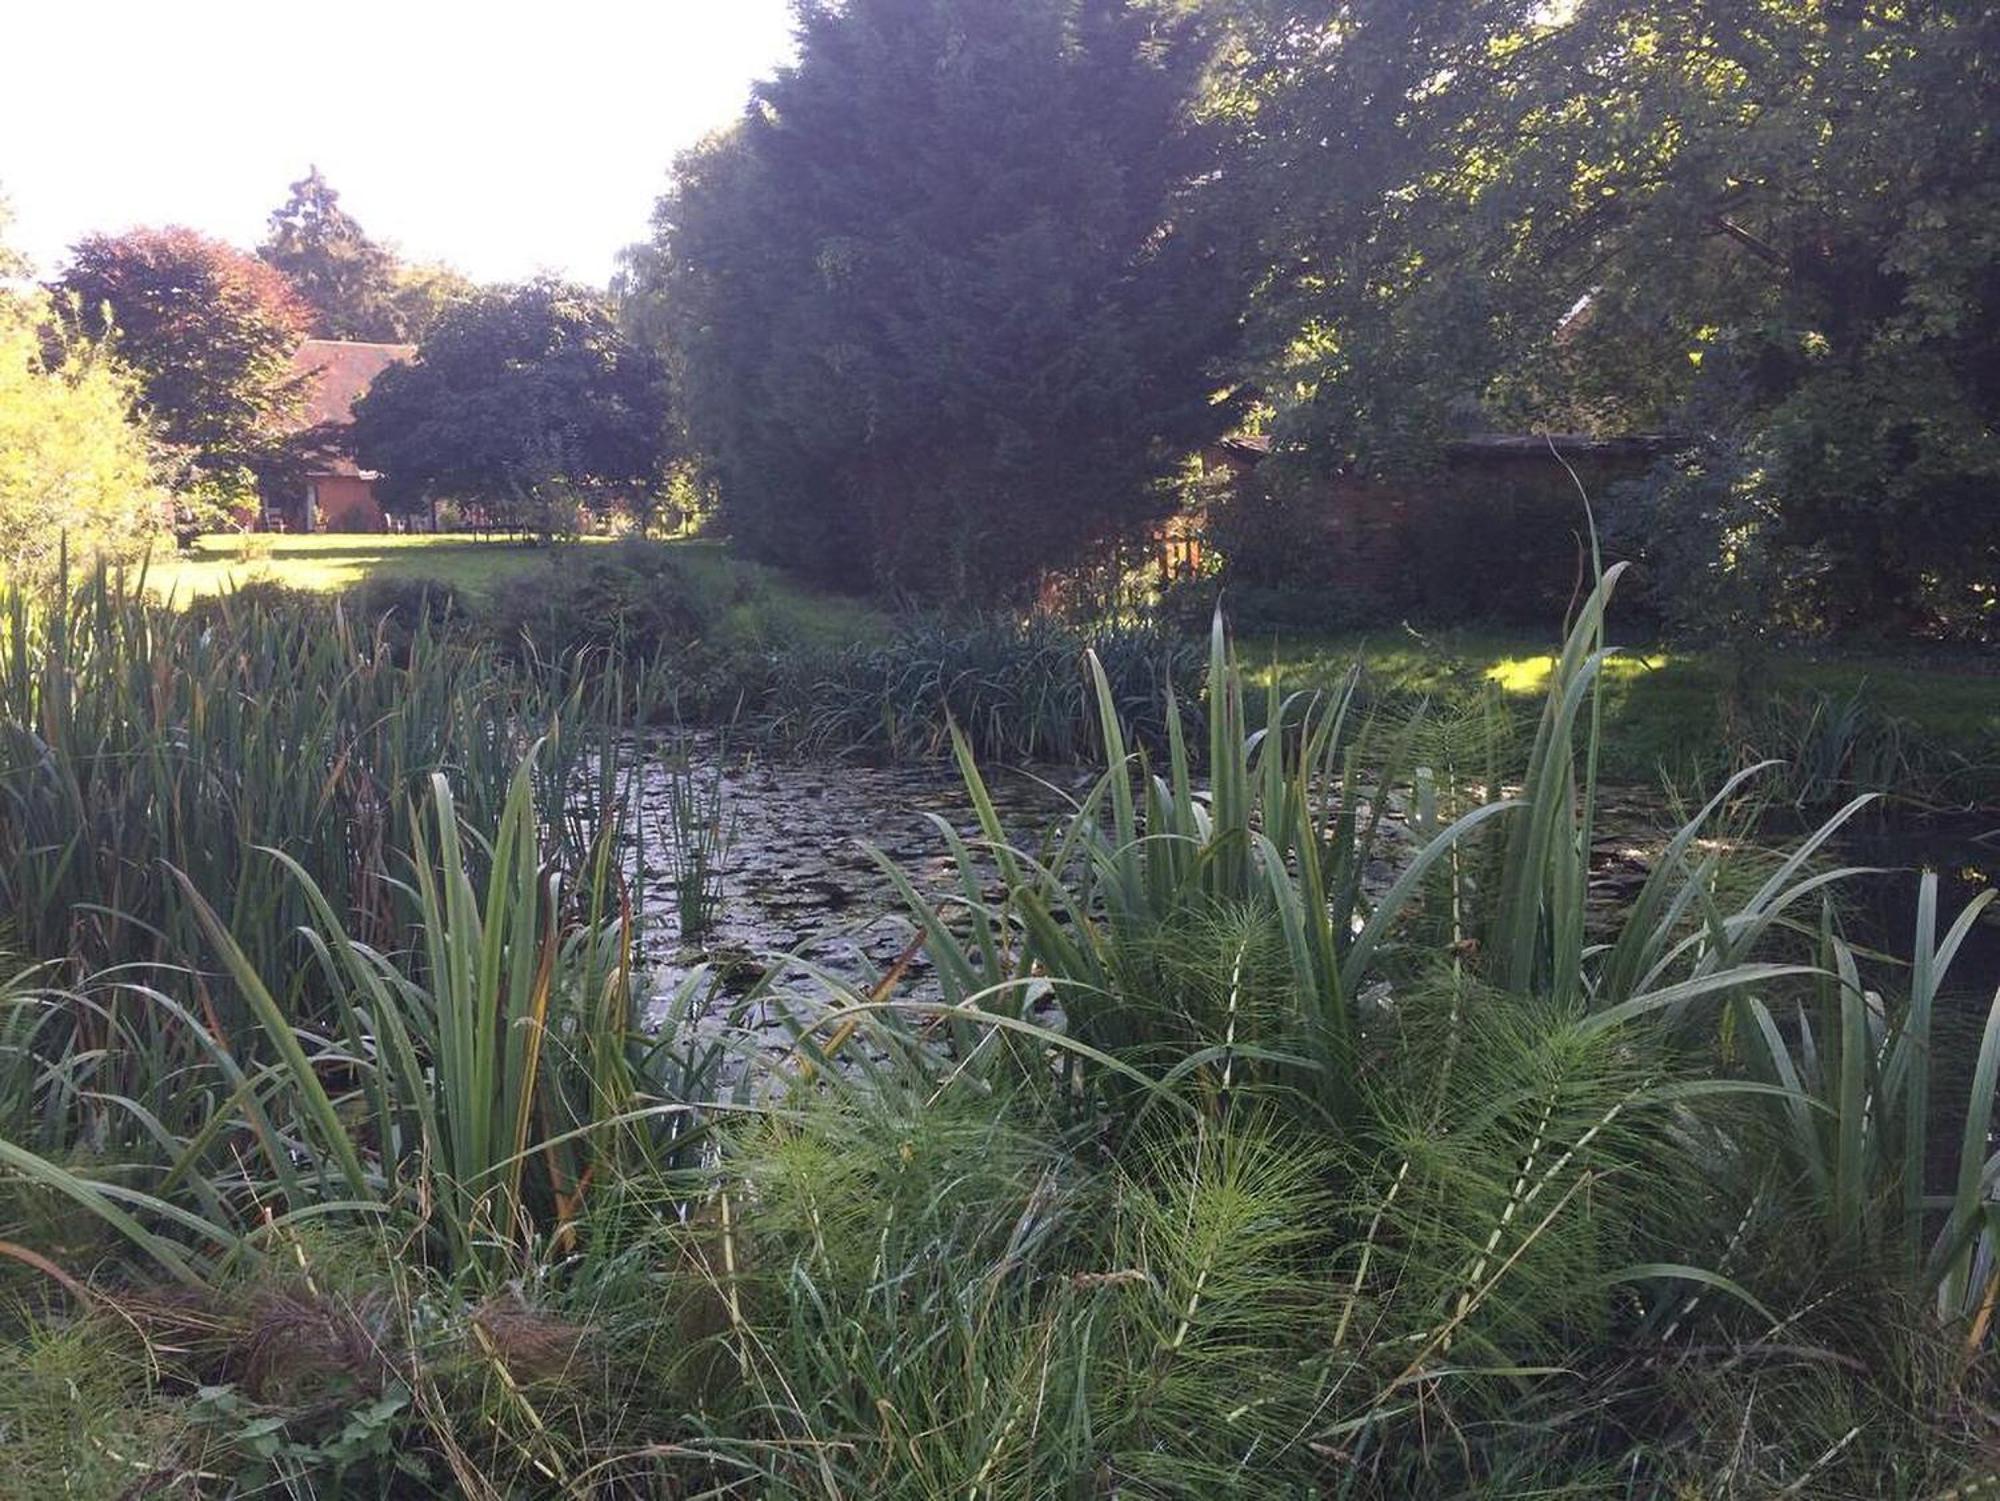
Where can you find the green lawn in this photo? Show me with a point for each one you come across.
(762, 600)
(1663, 708)
(330, 561)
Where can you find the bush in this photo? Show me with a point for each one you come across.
(75, 469)
(408, 605)
(633, 598)
(1015, 687)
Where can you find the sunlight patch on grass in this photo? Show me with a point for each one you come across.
(1531, 674)
(327, 562)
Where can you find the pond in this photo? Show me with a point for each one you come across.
(792, 876)
(792, 873)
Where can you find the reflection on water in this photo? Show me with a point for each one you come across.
(798, 878)
(1964, 849)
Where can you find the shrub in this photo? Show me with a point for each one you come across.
(407, 604)
(1014, 687)
(632, 598)
(76, 470)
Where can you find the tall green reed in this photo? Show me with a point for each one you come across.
(465, 1096)
(696, 830)
(1862, 1144)
(135, 739)
(1009, 686)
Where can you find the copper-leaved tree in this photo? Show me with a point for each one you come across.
(209, 331)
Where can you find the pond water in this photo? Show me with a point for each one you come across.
(1963, 848)
(795, 876)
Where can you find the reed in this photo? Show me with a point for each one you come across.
(465, 1096)
(1010, 686)
(135, 741)
(696, 829)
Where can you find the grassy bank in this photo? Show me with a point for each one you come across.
(483, 570)
(833, 672)
(1679, 712)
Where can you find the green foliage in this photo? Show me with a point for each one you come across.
(1305, 1128)
(1855, 1122)
(76, 1412)
(208, 331)
(1259, 883)
(461, 1097)
(1219, 1297)
(1921, 723)
(1832, 747)
(355, 285)
(945, 302)
(12, 262)
(524, 402)
(423, 292)
(1012, 686)
(343, 276)
(491, 1062)
(134, 739)
(633, 599)
(695, 836)
(271, 1456)
(1762, 228)
(75, 463)
(740, 645)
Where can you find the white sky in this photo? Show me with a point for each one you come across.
(506, 137)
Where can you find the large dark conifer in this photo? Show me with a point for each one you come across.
(946, 303)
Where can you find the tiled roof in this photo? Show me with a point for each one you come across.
(345, 372)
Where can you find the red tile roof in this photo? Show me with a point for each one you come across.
(345, 372)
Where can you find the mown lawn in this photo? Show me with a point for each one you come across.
(1664, 708)
(330, 561)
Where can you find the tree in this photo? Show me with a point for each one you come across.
(344, 277)
(208, 330)
(356, 287)
(75, 467)
(944, 306)
(524, 400)
(421, 294)
(12, 262)
(1766, 227)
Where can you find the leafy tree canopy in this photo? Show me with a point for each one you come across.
(346, 278)
(1766, 227)
(74, 464)
(208, 330)
(523, 399)
(12, 262)
(356, 287)
(423, 290)
(945, 304)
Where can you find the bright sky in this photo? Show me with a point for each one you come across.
(506, 137)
